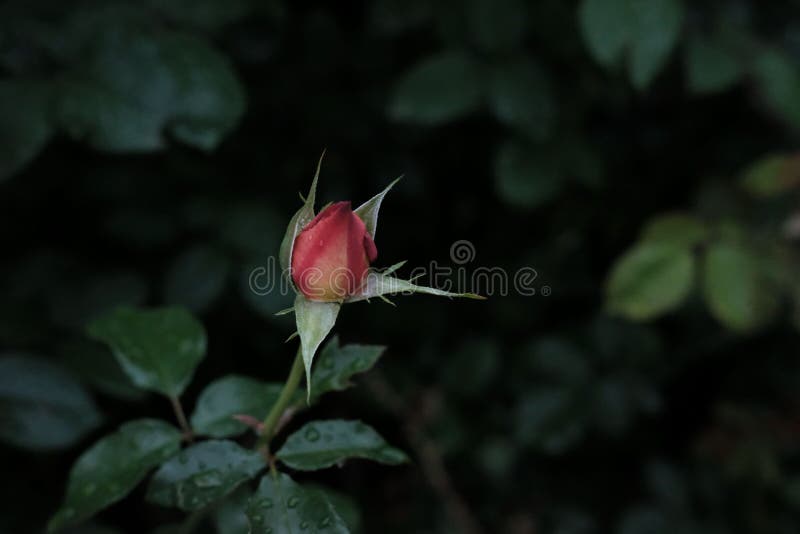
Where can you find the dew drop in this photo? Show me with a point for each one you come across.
(257, 519)
(325, 522)
(304, 525)
(265, 503)
(293, 501)
(208, 479)
(311, 434)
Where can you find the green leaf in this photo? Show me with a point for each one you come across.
(772, 175)
(314, 321)
(778, 78)
(299, 220)
(25, 125)
(43, 407)
(678, 229)
(158, 349)
(135, 84)
(657, 28)
(113, 466)
(368, 211)
(228, 396)
(321, 444)
(346, 506)
(527, 176)
(649, 280)
(230, 515)
(521, 96)
(379, 284)
(606, 27)
(196, 278)
(735, 287)
(337, 364)
(441, 88)
(710, 66)
(93, 364)
(281, 506)
(202, 474)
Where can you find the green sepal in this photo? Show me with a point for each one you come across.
(379, 284)
(300, 219)
(315, 320)
(368, 211)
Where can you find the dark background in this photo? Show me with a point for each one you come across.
(142, 168)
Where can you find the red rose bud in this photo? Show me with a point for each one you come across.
(331, 255)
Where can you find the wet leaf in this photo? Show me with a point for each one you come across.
(202, 474)
(337, 364)
(113, 466)
(321, 444)
(281, 506)
(228, 396)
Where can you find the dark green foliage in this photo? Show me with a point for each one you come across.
(638, 158)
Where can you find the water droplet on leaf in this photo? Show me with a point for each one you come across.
(208, 479)
(311, 434)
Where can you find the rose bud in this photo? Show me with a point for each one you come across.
(331, 255)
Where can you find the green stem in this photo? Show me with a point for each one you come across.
(181, 417)
(275, 413)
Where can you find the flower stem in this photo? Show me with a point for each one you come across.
(181, 417)
(275, 413)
